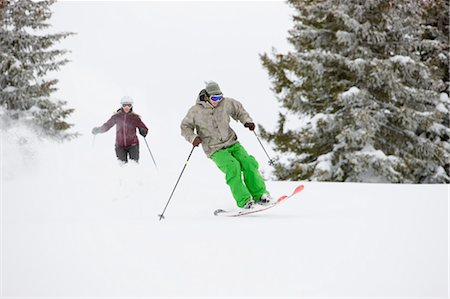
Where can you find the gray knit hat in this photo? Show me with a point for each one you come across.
(212, 88)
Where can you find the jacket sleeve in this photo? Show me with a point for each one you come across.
(188, 126)
(143, 130)
(239, 113)
(108, 125)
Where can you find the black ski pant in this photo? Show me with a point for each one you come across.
(123, 152)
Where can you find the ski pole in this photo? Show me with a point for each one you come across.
(161, 216)
(271, 163)
(154, 162)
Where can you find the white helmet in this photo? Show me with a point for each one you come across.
(126, 100)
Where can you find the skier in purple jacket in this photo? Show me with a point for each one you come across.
(126, 121)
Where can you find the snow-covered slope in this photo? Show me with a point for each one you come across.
(76, 224)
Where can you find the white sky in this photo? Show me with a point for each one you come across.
(160, 53)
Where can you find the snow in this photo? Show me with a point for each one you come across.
(444, 98)
(324, 162)
(350, 93)
(292, 77)
(316, 118)
(344, 37)
(402, 59)
(370, 150)
(439, 129)
(85, 226)
(295, 121)
(9, 89)
(17, 64)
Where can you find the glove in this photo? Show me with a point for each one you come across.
(250, 126)
(95, 131)
(197, 141)
(143, 132)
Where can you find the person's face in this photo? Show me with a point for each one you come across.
(126, 107)
(215, 99)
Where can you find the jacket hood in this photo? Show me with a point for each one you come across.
(201, 96)
(202, 99)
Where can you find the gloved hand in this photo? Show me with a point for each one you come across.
(143, 132)
(197, 141)
(95, 131)
(250, 126)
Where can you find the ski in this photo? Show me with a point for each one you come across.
(257, 207)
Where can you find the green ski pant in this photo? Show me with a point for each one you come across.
(235, 162)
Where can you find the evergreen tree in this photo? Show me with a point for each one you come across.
(371, 104)
(26, 56)
(435, 49)
(435, 52)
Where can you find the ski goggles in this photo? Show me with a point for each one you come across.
(125, 105)
(216, 98)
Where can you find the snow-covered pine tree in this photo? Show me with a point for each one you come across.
(26, 56)
(436, 47)
(435, 52)
(359, 101)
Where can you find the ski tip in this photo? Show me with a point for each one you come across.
(299, 188)
(218, 211)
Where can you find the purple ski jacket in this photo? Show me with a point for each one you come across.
(126, 124)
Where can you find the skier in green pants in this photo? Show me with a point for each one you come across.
(207, 122)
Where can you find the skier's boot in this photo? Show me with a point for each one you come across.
(265, 199)
(249, 204)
